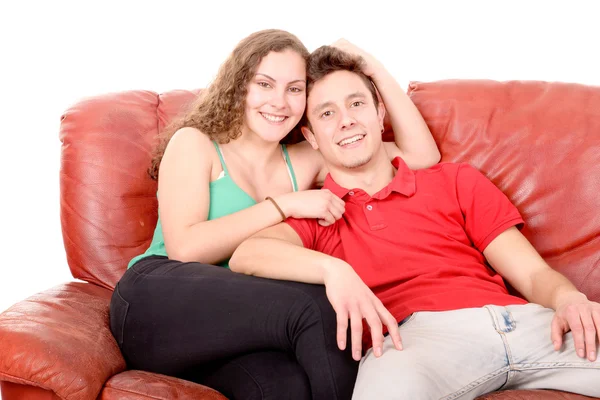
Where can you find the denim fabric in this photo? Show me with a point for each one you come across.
(465, 353)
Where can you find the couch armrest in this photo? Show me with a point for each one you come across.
(60, 340)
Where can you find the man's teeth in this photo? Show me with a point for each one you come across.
(272, 118)
(351, 140)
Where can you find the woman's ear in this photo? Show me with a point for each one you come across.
(310, 137)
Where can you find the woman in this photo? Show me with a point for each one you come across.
(222, 176)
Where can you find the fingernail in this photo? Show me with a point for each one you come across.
(555, 344)
(341, 344)
(378, 351)
(357, 355)
(581, 353)
(592, 356)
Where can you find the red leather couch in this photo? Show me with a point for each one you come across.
(539, 142)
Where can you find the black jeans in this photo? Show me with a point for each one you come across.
(248, 337)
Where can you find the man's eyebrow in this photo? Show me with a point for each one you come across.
(268, 77)
(321, 106)
(355, 94)
(330, 103)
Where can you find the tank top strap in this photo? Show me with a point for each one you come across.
(290, 168)
(223, 165)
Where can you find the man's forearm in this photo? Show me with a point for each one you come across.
(280, 259)
(513, 257)
(550, 289)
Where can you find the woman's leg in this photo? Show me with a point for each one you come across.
(265, 375)
(170, 317)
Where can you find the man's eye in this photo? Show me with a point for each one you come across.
(264, 84)
(357, 103)
(326, 114)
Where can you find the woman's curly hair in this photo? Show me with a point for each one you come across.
(219, 110)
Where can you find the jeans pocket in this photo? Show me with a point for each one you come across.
(118, 313)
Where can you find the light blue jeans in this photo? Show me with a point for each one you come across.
(465, 353)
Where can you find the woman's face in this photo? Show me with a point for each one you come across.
(276, 95)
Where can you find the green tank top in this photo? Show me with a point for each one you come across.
(225, 198)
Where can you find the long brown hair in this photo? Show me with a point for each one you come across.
(219, 110)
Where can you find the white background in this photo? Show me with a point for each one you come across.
(55, 53)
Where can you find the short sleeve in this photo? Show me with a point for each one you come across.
(486, 210)
(305, 228)
(314, 236)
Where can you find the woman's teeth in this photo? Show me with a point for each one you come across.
(273, 118)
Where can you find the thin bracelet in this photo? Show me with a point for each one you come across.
(283, 217)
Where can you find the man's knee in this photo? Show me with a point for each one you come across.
(395, 383)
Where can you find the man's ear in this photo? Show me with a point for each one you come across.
(381, 115)
(310, 137)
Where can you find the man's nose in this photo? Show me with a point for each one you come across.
(347, 121)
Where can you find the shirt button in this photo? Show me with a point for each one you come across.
(351, 193)
(369, 207)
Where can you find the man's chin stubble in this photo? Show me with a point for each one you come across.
(356, 163)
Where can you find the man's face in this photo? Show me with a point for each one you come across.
(346, 125)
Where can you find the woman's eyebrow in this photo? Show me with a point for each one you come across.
(268, 77)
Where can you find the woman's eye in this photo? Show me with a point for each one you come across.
(295, 90)
(264, 84)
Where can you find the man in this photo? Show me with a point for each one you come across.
(415, 243)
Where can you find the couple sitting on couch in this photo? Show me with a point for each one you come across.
(386, 264)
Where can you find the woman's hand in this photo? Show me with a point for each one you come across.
(352, 300)
(319, 204)
(371, 64)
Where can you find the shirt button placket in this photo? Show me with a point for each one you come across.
(373, 217)
(369, 214)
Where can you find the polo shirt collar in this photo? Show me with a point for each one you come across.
(403, 183)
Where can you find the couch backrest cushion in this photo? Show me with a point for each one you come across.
(538, 142)
(107, 200)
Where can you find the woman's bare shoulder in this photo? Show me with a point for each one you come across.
(192, 145)
(189, 135)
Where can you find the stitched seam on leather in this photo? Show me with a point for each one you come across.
(133, 392)
(20, 381)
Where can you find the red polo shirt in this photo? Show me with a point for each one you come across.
(417, 243)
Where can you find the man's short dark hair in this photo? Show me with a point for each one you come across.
(327, 59)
